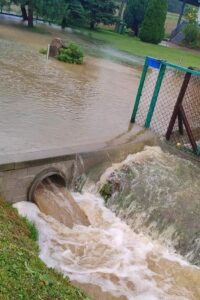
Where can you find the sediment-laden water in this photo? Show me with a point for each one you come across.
(45, 105)
(157, 193)
(100, 252)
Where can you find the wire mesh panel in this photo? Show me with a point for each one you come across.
(168, 95)
(170, 105)
(191, 106)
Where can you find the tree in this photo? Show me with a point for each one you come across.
(134, 14)
(99, 11)
(4, 3)
(52, 11)
(153, 26)
(57, 11)
(65, 12)
(26, 15)
(30, 12)
(75, 12)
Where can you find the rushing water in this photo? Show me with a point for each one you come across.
(157, 193)
(54, 105)
(50, 104)
(103, 255)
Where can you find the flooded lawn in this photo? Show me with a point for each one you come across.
(45, 105)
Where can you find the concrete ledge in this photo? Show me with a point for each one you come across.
(17, 172)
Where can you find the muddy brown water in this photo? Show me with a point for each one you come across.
(66, 212)
(106, 258)
(50, 104)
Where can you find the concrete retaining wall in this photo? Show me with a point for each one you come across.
(16, 177)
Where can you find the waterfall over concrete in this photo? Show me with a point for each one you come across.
(158, 194)
(80, 237)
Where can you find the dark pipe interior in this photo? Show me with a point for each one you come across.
(56, 179)
(54, 175)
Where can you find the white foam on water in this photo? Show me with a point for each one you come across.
(108, 254)
(149, 153)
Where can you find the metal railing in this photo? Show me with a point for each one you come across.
(168, 102)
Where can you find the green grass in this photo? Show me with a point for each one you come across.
(22, 274)
(35, 29)
(33, 233)
(134, 46)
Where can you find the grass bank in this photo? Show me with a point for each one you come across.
(134, 46)
(22, 274)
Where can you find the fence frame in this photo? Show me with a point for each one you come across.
(178, 112)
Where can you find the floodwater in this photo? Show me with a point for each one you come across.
(103, 255)
(49, 105)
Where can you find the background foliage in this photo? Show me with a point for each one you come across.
(134, 14)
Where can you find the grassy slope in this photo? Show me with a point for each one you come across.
(134, 46)
(22, 274)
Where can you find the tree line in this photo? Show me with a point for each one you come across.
(67, 12)
(146, 18)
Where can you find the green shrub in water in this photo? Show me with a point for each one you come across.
(43, 51)
(106, 191)
(71, 54)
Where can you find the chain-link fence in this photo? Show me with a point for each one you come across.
(168, 102)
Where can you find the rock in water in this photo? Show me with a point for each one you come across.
(55, 46)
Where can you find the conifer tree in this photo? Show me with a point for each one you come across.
(134, 14)
(153, 26)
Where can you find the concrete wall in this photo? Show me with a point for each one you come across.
(17, 175)
(15, 183)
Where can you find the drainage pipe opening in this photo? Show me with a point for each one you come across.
(54, 175)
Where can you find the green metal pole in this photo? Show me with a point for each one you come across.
(155, 95)
(139, 93)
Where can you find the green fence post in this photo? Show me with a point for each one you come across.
(155, 95)
(139, 93)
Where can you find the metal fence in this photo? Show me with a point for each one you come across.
(168, 102)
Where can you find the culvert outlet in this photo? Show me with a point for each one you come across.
(55, 175)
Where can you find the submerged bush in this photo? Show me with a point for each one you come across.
(43, 51)
(106, 191)
(71, 54)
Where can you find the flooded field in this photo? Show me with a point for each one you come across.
(45, 105)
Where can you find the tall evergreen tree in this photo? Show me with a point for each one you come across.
(134, 14)
(153, 26)
(99, 11)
